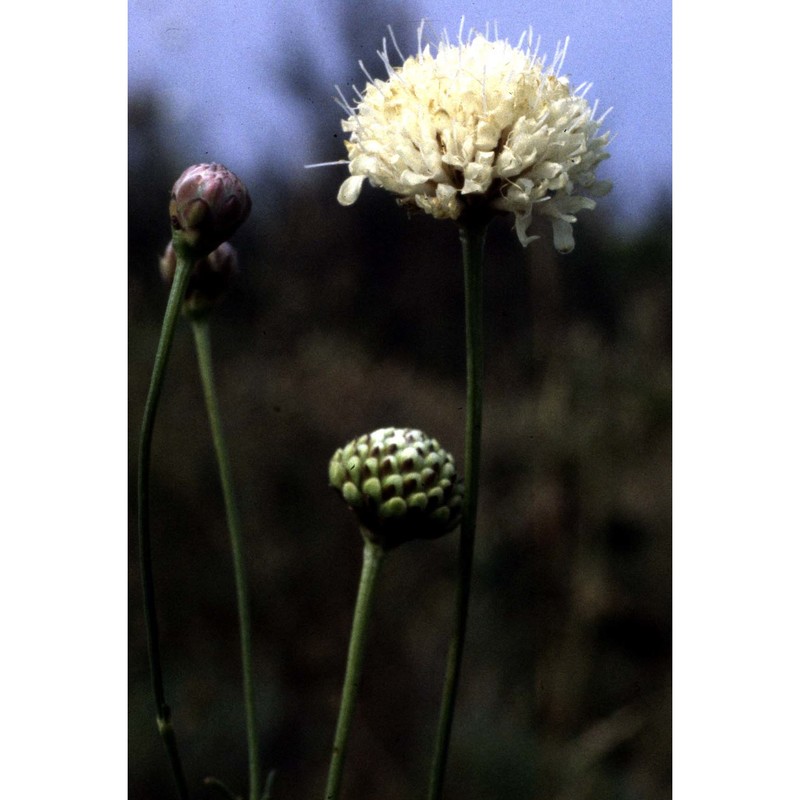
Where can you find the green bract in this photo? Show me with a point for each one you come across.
(400, 483)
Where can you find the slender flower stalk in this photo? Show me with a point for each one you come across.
(373, 557)
(473, 236)
(202, 339)
(206, 287)
(208, 203)
(401, 485)
(163, 713)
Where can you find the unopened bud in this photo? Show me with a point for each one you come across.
(400, 483)
(207, 205)
(208, 281)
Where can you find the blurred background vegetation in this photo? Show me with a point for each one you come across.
(348, 319)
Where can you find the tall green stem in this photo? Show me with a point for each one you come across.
(473, 236)
(373, 555)
(203, 345)
(163, 713)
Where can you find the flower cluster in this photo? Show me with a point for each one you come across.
(478, 123)
(401, 484)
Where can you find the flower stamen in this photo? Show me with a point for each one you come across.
(394, 42)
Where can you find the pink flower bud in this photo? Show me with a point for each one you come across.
(207, 205)
(209, 280)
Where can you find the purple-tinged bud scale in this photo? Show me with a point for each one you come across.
(208, 281)
(207, 205)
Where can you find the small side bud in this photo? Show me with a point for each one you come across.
(208, 281)
(207, 205)
(400, 483)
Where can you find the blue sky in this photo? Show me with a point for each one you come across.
(217, 70)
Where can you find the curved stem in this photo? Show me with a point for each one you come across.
(203, 346)
(473, 236)
(221, 788)
(163, 714)
(269, 785)
(373, 555)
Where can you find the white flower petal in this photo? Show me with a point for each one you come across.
(487, 136)
(521, 224)
(350, 190)
(477, 178)
(601, 188)
(563, 240)
(413, 180)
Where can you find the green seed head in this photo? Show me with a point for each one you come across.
(400, 483)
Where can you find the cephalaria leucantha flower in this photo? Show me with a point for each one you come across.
(478, 124)
(401, 484)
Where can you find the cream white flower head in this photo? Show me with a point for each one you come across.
(480, 122)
